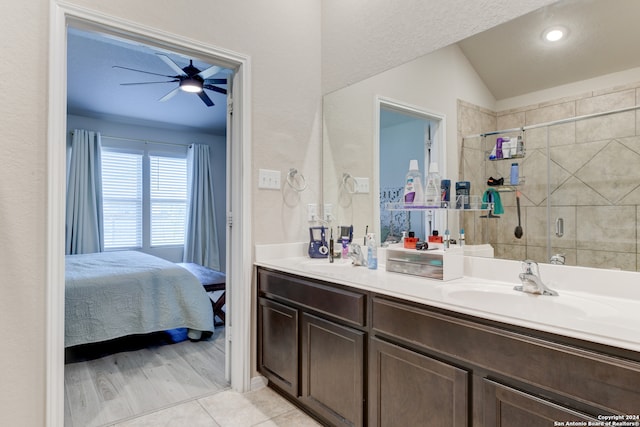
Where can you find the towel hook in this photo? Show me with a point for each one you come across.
(296, 180)
(349, 183)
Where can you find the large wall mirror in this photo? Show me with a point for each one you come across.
(574, 104)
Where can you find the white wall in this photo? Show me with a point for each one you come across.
(156, 133)
(284, 41)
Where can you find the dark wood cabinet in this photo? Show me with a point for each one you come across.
(506, 407)
(407, 388)
(311, 344)
(356, 358)
(333, 370)
(278, 349)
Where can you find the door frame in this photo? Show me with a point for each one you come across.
(438, 138)
(239, 232)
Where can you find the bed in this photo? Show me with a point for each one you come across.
(114, 294)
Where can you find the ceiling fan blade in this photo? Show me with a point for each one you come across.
(215, 89)
(175, 67)
(170, 95)
(215, 81)
(148, 83)
(205, 99)
(209, 71)
(141, 71)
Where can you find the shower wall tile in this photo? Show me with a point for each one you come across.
(606, 228)
(537, 254)
(617, 125)
(605, 259)
(613, 172)
(535, 226)
(632, 143)
(510, 252)
(564, 134)
(606, 102)
(550, 113)
(510, 121)
(574, 192)
(573, 157)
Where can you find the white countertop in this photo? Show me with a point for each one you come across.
(602, 312)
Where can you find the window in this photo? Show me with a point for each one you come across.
(122, 199)
(144, 199)
(168, 200)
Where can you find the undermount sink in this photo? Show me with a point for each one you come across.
(538, 307)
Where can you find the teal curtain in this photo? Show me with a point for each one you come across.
(201, 238)
(84, 224)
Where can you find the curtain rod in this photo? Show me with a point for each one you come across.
(146, 141)
(555, 122)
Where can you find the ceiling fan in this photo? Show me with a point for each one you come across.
(190, 79)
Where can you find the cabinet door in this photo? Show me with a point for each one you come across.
(506, 407)
(410, 389)
(333, 371)
(278, 344)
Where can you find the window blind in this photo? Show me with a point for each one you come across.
(122, 199)
(168, 192)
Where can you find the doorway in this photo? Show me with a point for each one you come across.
(404, 133)
(238, 173)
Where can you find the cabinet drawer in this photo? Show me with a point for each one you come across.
(343, 304)
(598, 380)
(506, 407)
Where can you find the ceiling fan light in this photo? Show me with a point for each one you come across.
(191, 85)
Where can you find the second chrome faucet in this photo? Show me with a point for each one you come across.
(531, 281)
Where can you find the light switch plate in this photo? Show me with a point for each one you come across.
(362, 184)
(269, 179)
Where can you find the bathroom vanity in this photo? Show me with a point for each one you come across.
(357, 347)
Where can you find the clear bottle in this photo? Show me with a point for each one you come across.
(372, 252)
(413, 193)
(433, 193)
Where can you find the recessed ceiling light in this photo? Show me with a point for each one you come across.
(555, 34)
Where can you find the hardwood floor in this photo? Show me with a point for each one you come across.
(107, 383)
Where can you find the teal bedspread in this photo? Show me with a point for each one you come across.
(114, 294)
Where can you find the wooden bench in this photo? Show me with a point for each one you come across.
(211, 281)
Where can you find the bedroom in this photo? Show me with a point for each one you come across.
(132, 121)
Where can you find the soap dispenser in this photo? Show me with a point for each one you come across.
(372, 252)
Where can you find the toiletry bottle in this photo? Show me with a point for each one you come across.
(506, 148)
(447, 238)
(331, 245)
(514, 178)
(461, 239)
(499, 148)
(413, 193)
(433, 192)
(520, 147)
(372, 252)
(345, 249)
(445, 190)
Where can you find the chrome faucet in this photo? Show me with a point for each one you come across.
(558, 259)
(532, 282)
(356, 255)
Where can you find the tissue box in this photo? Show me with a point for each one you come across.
(434, 263)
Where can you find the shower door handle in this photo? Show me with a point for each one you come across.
(559, 227)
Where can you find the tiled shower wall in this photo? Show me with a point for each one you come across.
(591, 168)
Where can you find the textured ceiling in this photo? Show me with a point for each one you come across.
(512, 58)
(94, 86)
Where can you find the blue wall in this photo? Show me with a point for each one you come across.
(155, 132)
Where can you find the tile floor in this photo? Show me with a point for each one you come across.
(257, 408)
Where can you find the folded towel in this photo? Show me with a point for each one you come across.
(492, 196)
